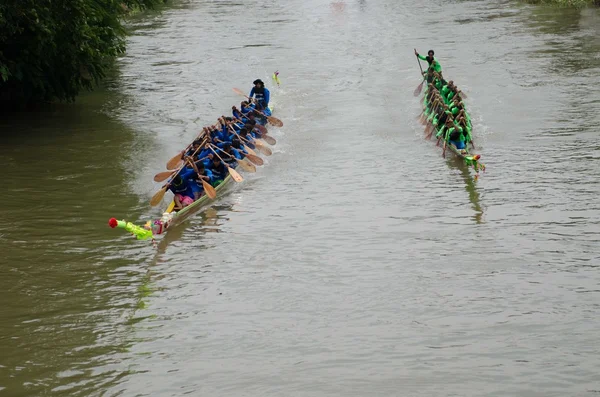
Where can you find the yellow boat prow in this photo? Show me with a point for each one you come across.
(171, 206)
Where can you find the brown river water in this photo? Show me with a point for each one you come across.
(357, 261)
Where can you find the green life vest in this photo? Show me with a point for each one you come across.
(444, 91)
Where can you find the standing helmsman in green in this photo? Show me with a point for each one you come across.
(434, 65)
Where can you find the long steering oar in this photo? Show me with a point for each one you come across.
(420, 86)
(245, 164)
(273, 120)
(234, 174)
(208, 189)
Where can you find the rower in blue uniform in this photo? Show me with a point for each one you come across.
(184, 195)
(231, 156)
(195, 179)
(219, 171)
(262, 96)
(456, 138)
(236, 147)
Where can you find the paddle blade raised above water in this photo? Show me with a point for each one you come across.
(234, 174)
(246, 165)
(262, 148)
(275, 121)
(269, 139)
(255, 159)
(261, 128)
(174, 163)
(418, 89)
(209, 190)
(249, 150)
(240, 92)
(162, 176)
(157, 198)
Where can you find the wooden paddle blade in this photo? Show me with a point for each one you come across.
(246, 165)
(269, 139)
(240, 92)
(162, 176)
(249, 150)
(428, 129)
(174, 162)
(177, 166)
(275, 121)
(418, 89)
(255, 159)
(157, 198)
(209, 190)
(261, 128)
(262, 148)
(234, 174)
(265, 150)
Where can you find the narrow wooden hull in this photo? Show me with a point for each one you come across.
(171, 219)
(463, 154)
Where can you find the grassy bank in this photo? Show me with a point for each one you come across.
(567, 3)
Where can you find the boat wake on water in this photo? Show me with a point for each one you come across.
(199, 173)
(444, 112)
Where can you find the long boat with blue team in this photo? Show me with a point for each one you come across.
(198, 174)
(445, 114)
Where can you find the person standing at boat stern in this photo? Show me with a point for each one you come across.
(434, 65)
(262, 96)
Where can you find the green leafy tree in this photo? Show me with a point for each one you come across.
(51, 49)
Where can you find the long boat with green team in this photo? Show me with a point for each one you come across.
(445, 114)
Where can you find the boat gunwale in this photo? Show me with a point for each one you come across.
(191, 209)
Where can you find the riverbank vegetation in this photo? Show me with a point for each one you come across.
(52, 49)
(567, 3)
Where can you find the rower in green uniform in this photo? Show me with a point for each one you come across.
(447, 129)
(434, 65)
